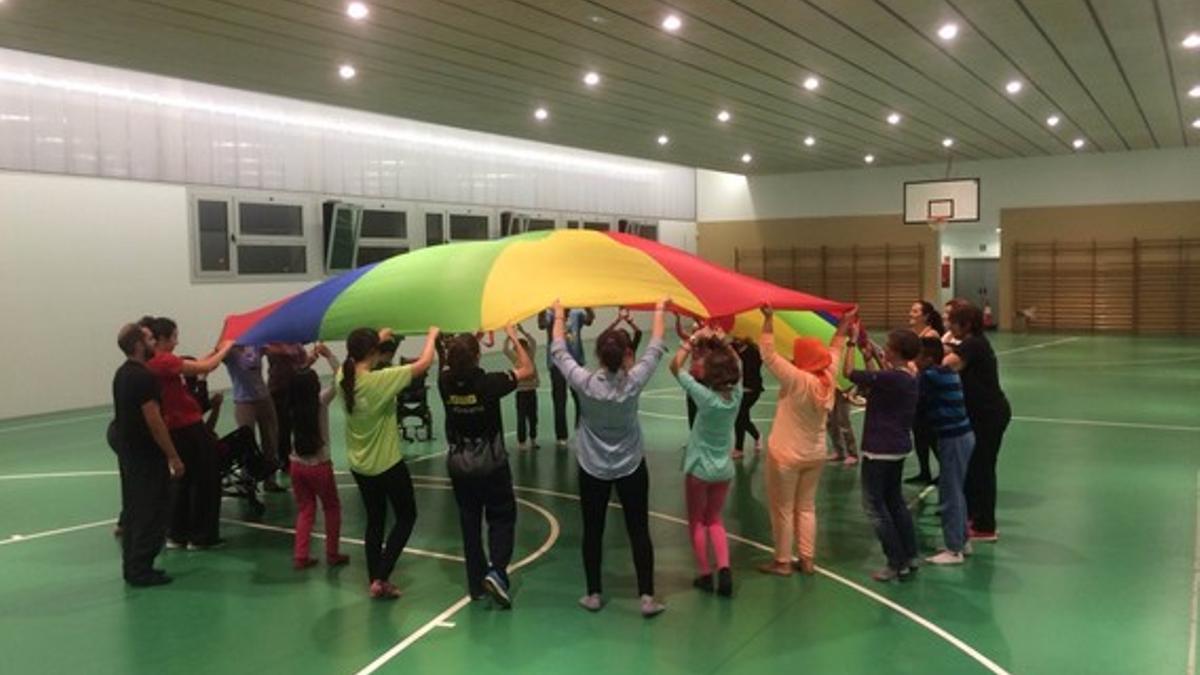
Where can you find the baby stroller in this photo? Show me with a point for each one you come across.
(412, 403)
(242, 467)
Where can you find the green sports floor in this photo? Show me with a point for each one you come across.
(1096, 568)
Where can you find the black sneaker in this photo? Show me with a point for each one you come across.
(704, 582)
(149, 579)
(725, 582)
(497, 588)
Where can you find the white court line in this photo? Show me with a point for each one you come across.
(1103, 423)
(1195, 590)
(1191, 660)
(16, 538)
(61, 474)
(904, 611)
(1040, 345)
(450, 611)
(52, 423)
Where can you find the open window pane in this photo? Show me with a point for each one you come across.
(343, 238)
(384, 224)
(466, 227)
(374, 254)
(270, 220)
(434, 232)
(272, 259)
(212, 218)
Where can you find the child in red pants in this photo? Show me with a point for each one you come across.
(311, 469)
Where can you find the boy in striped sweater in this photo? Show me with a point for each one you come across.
(940, 404)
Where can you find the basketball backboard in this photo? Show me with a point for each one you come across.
(955, 200)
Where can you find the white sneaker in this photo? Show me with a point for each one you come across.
(652, 607)
(945, 558)
(561, 445)
(591, 602)
(522, 446)
(968, 549)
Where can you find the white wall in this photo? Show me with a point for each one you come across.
(1071, 180)
(1085, 178)
(67, 117)
(78, 258)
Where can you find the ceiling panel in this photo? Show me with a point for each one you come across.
(1113, 70)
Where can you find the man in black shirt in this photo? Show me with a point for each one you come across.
(147, 457)
(478, 462)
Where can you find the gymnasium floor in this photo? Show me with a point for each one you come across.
(1095, 571)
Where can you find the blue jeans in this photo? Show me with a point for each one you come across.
(954, 454)
(884, 503)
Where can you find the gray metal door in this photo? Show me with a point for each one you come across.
(978, 280)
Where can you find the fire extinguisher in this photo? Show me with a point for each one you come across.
(946, 271)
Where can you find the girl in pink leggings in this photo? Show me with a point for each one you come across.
(706, 460)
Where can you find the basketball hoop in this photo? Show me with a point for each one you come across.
(937, 224)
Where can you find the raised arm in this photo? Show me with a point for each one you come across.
(426, 358)
(209, 363)
(681, 357)
(524, 369)
(659, 326)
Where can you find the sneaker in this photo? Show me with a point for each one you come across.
(376, 589)
(498, 589)
(591, 602)
(978, 535)
(945, 558)
(804, 566)
(887, 574)
(652, 607)
(560, 445)
(304, 563)
(757, 445)
(725, 582)
(522, 446)
(777, 568)
(196, 546)
(704, 582)
(834, 457)
(737, 454)
(176, 544)
(117, 531)
(851, 460)
(914, 563)
(337, 560)
(533, 444)
(968, 549)
(382, 590)
(148, 580)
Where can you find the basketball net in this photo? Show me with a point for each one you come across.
(937, 224)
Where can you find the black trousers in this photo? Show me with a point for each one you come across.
(980, 487)
(527, 415)
(196, 512)
(395, 486)
(558, 392)
(633, 491)
(281, 396)
(744, 425)
(489, 497)
(146, 503)
(925, 443)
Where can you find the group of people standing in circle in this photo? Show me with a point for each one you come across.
(920, 385)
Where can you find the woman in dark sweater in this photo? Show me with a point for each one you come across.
(752, 388)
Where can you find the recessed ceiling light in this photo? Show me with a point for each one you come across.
(597, 19)
(357, 10)
(894, 118)
(948, 31)
(998, 230)
(869, 159)
(747, 158)
(541, 114)
(723, 116)
(1196, 123)
(1192, 41)
(1013, 87)
(947, 142)
(1077, 143)
(1195, 91)
(1052, 120)
(811, 83)
(810, 141)
(671, 23)
(347, 71)
(663, 140)
(591, 79)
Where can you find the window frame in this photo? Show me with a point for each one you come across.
(314, 258)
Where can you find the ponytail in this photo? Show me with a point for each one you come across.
(359, 345)
(348, 383)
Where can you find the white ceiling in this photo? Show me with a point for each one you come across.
(1115, 71)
